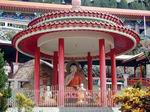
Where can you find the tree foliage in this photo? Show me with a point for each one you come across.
(112, 3)
(137, 5)
(123, 4)
(36, 0)
(101, 3)
(86, 3)
(147, 4)
(4, 90)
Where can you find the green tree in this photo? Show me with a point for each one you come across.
(96, 3)
(57, 1)
(4, 90)
(147, 4)
(123, 4)
(86, 3)
(101, 3)
(48, 1)
(112, 3)
(137, 5)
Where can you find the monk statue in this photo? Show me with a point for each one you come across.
(82, 94)
(75, 77)
(47, 94)
(49, 100)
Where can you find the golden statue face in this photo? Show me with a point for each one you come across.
(73, 68)
(69, 66)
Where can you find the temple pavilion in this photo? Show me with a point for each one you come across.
(75, 34)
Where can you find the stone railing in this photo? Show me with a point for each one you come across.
(72, 98)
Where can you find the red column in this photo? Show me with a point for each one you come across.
(90, 80)
(55, 68)
(37, 76)
(135, 72)
(113, 72)
(61, 72)
(16, 56)
(102, 72)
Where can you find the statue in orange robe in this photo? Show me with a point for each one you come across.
(74, 79)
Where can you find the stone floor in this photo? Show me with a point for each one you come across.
(68, 109)
(85, 109)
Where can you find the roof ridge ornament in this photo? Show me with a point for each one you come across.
(76, 4)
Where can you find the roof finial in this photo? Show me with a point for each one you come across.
(76, 4)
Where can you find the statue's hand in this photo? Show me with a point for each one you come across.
(68, 79)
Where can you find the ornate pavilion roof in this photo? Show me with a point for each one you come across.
(17, 6)
(75, 23)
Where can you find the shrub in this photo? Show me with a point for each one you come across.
(24, 102)
(133, 100)
(5, 91)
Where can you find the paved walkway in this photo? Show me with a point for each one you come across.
(68, 109)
